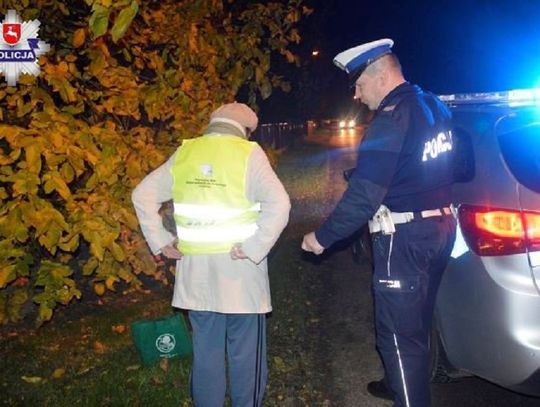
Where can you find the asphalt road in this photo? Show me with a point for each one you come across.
(346, 314)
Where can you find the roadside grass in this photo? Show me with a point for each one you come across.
(297, 362)
(89, 360)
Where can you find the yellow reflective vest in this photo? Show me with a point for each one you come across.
(209, 194)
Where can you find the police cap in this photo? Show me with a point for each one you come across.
(355, 60)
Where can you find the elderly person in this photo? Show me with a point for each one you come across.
(229, 210)
(401, 187)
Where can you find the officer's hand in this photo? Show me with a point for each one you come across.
(311, 244)
(237, 253)
(171, 252)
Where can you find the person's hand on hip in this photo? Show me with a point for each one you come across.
(171, 252)
(237, 253)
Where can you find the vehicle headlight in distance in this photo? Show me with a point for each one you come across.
(352, 123)
(342, 124)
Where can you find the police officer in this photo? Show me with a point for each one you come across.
(229, 210)
(401, 188)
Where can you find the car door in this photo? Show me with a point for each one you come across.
(519, 140)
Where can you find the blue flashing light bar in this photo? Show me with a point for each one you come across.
(516, 97)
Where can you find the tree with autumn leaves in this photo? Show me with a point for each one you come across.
(124, 82)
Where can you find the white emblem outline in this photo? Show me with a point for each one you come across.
(166, 342)
(21, 58)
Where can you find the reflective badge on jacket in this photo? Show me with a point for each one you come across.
(437, 145)
(403, 285)
(391, 283)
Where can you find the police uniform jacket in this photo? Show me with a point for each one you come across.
(404, 162)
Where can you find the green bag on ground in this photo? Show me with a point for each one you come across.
(161, 338)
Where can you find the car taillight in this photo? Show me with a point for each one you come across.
(498, 232)
(532, 225)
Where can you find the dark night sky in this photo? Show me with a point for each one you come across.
(446, 46)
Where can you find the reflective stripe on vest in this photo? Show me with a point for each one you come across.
(209, 193)
(211, 212)
(217, 234)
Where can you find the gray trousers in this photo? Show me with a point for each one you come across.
(242, 339)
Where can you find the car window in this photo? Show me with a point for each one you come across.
(464, 155)
(521, 151)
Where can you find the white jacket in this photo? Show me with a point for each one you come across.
(216, 282)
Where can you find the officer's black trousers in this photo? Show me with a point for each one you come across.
(408, 269)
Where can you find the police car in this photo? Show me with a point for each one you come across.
(487, 316)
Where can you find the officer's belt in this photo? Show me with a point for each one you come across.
(406, 217)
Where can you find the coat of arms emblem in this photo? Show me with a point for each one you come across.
(11, 33)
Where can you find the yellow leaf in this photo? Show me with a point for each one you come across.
(62, 68)
(67, 173)
(99, 288)
(259, 74)
(54, 181)
(109, 282)
(164, 364)
(96, 247)
(99, 20)
(90, 266)
(192, 39)
(7, 274)
(123, 21)
(27, 79)
(57, 76)
(125, 275)
(78, 38)
(33, 379)
(99, 347)
(33, 158)
(63, 9)
(69, 243)
(290, 56)
(133, 367)
(45, 313)
(280, 365)
(119, 329)
(98, 64)
(58, 373)
(117, 252)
